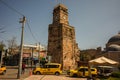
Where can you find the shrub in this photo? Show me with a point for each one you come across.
(116, 74)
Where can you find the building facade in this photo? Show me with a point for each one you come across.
(31, 55)
(62, 46)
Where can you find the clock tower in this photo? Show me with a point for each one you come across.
(60, 14)
(62, 46)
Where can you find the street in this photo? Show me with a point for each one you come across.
(11, 74)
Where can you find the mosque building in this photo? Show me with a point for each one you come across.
(112, 49)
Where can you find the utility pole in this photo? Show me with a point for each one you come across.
(21, 48)
(1, 53)
(39, 54)
(32, 57)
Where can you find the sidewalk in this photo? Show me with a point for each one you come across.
(11, 74)
(28, 73)
(52, 77)
(33, 77)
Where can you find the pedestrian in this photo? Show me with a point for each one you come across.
(23, 68)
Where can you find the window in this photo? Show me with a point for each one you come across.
(92, 69)
(52, 66)
(82, 69)
(86, 69)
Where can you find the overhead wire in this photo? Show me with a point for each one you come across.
(2, 30)
(31, 32)
(13, 9)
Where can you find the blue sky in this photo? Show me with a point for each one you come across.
(95, 21)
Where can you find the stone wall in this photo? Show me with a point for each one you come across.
(61, 39)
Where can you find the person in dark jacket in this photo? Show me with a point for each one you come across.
(23, 68)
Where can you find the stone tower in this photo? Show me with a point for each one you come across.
(62, 46)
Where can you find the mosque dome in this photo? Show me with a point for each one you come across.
(114, 43)
(114, 47)
(115, 38)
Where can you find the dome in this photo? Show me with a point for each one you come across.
(113, 43)
(115, 38)
(114, 47)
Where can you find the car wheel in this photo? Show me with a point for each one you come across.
(38, 73)
(57, 73)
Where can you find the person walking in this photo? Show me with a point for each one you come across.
(23, 68)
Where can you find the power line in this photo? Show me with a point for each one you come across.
(1, 30)
(31, 32)
(13, 9)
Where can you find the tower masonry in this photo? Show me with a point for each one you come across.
(62, 46)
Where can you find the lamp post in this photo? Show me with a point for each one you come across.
(1, 58)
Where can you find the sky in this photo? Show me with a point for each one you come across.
(95, 21)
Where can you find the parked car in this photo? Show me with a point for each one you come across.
(106, 70)
(48, 68)
(3, 70)
(83, 72)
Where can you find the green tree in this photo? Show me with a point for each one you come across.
(12, 45)
(85, 56)
(2, 45)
